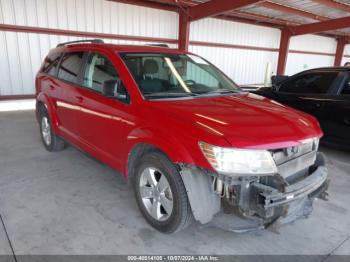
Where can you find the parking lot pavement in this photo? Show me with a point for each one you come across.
(68, 203)
(4, 244)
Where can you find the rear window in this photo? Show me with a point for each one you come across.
(70, 67)
(51, 63)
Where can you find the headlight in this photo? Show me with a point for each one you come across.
(239, 162)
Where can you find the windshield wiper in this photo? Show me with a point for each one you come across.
(224, 91)
(219, 91)
(167, 94)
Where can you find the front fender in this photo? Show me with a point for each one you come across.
(204, 202)
(44, 99)
(172, 147)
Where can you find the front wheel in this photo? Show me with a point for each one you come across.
(161, 194)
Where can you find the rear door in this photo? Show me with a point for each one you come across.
(67, 93)
(103, 122)
(337, 113)
(47, 82)
(309, 92)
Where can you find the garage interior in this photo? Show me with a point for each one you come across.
(70, 204)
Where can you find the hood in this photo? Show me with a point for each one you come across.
(244, 120)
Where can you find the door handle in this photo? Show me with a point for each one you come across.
(318, 105)
(52, 87)
(79, 98)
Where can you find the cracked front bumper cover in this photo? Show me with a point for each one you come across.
(271, 208)
(317, 180)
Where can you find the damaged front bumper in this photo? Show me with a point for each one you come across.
(296, 199)
(253, 203)
(265, 206)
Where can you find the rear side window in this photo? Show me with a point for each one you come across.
(312, 83)
(51, 63)
(98, 70)
(70, 67)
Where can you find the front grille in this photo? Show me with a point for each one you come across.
(292, 160)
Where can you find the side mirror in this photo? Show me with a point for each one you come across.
(115, 89)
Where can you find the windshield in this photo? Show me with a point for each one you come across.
(174, 75)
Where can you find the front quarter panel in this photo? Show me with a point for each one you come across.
(179, 149)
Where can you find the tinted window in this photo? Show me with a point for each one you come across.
(98, 70)
(313, 83)
(51, 63)
(346, 88)
(70, 67)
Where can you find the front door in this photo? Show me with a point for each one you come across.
(309, 92)
(337, 115)
(103, 122)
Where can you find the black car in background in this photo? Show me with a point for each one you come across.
(323, 93)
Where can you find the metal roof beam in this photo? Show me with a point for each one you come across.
(292, 10)
(155, 5)
(340, 51)
(217, 7)
(334, 5)
(329, 25)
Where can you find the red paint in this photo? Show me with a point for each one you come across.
(14, 97)
(239, 15)
(148, 4)
(259, 18)
(291, 10)
(216, 7)
(283, 51)
(246, 47)
(51, 31)
(339, 52)
(243, 17)
(109, 129)
(334, 4)
(311, 53)
(329, 25)
(184, 30)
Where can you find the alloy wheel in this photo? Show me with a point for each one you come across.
(156, 194)
(46, 130)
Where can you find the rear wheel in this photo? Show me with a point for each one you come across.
(161, 194)
(51, 142)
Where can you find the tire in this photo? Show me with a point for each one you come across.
(181, 214)
(51, 141)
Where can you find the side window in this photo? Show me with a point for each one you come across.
(98, 70)
(312, 83)
(70, 67)
(346, 88)
(51, 63)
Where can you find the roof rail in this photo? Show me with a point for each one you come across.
(94, 41)
(159, 45)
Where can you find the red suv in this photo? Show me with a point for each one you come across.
(191, 143)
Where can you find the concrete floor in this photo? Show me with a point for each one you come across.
(67, 203)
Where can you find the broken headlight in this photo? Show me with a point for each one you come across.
(239, 162)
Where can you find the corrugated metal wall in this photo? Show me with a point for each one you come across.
(243, 66)
(249, 66)
(310, 43)
(21, 53)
